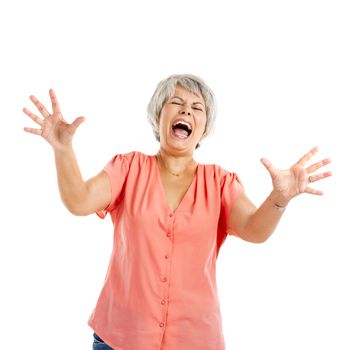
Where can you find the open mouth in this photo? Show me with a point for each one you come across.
(182, 129)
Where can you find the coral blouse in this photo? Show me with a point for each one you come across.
(160, 289)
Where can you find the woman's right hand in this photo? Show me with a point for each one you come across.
(53, 128)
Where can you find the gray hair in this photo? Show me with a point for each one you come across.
(166, 88)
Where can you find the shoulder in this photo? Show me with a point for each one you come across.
(129, 160)
(216, 171)
(138, 158)
(219, 176)
(131, 165)
(133, 162)
(134, 156)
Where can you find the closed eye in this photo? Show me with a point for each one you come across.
(178, 103)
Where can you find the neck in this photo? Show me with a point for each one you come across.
(176, 164)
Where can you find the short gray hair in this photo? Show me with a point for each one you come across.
(166, 88)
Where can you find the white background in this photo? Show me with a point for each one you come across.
(280, 71)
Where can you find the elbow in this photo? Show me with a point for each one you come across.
(256, 234)
(255, 237)
(76, 210)
(260, 240)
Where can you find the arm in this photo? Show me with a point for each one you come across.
(79, 196)
(256, 225)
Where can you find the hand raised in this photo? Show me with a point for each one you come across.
(53, 127)
(289, 183)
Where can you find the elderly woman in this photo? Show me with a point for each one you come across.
(171, 215)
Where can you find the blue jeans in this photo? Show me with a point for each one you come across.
(99, 344)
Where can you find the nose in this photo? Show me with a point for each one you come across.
(185, 110)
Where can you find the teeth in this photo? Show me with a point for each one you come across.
(184, 123)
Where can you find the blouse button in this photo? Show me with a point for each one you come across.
(163, 302)
(164, 279)
(166, 256)
(161, 324)
(168, 234)
(171, 215)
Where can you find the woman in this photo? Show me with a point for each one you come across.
(171, 215)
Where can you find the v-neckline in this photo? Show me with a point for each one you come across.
(161, 185)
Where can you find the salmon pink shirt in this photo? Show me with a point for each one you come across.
(160, 289)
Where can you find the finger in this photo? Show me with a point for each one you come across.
(306, 157)
(313, 191)
(317, 177)
(76, 123)
(33, 131)
(317, 165)
(54, 102)
(268, 165)
(40, 107)
(34, 117)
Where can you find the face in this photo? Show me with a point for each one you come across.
(182, 121)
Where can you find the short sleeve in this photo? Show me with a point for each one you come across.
(117, 170)
(231, 187)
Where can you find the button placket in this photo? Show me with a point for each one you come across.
(165, 277)
(171, 217)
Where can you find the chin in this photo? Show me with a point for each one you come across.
(178, 147)
(174, 144)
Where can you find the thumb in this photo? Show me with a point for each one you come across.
(269, 167)
(76, 123)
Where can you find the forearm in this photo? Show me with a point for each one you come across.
(264, 220)
(72, 187)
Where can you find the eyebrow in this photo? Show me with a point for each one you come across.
(183, 100)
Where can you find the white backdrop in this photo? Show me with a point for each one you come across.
(280, 71)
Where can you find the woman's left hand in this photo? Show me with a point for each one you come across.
(288, 184)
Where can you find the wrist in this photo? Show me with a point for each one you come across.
(277, 202)
(62, 149)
